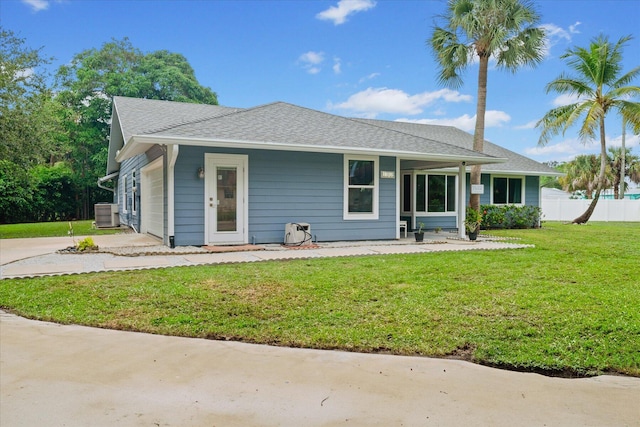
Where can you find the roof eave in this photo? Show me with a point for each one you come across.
(523, 172)
(139, 144)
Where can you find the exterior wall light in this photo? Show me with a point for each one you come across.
(200, 173)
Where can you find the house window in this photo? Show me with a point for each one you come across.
(507, 191)
(134, 190)
(435, 193)
(406, 193)
(361, 187)
(125, 195)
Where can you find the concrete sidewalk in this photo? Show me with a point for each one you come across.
(38, 256)
(77, 376)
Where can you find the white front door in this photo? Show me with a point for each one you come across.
(226, 186)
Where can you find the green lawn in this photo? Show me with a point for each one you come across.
(51, 229)
(569, 306)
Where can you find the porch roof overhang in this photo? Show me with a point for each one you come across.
(139, 144)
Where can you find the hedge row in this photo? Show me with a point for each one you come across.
(510, 216)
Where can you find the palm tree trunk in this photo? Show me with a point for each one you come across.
(623, 154)
(478, 135)
(582, 219)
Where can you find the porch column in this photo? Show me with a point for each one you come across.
(462, 198)
(172, 156)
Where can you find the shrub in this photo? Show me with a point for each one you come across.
(86, 244)
(510, 216)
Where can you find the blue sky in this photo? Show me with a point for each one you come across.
(357, 58)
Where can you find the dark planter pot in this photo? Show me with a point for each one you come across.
(419, 237)
(473, 235)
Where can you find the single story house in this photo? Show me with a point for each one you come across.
(194, 174)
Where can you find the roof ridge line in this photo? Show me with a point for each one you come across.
(203, 119)
(368, 122)
(236, 110)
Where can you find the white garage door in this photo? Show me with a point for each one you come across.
(153, 199)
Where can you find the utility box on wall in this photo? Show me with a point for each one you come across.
(297, 234)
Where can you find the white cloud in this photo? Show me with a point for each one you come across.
(337, 66)
(573, 29)
(37, 5)
(374, 101)
(311, 60)
(492, 118)
(562, 151)
(369, 77)
(565, 99)
(630, 141)
(557, 34)
(338, 14)
(530, 125)
(312, 57)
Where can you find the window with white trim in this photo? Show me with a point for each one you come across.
(361, 187)
(435, 193)
(123, 191)
(508, 191)
(134, 190)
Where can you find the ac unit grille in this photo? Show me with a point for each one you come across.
(107, 215)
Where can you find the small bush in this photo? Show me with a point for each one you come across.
(86, 244)
(510, 216)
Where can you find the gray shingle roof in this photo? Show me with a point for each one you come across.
(285, 125)
(460, 138)
(144, 116)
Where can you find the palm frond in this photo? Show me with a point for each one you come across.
(627, 78)
(567, 85)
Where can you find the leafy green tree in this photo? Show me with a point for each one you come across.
(29, 129)
(599, 88)
(478, 30)
(552, 181)
(631, 163)
(54, 193)
(88, 85)
(16, 193)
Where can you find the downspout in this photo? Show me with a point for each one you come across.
(108, 178)
(462, 199)
(172, 156)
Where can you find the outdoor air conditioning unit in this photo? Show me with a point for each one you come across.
(297, 234)
(107, 215)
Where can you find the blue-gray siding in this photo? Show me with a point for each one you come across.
(126, 168)
(284, 187)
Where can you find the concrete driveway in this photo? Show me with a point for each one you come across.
(58, 375)
(15, 249)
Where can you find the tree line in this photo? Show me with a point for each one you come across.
(54, 128)
(582, 173)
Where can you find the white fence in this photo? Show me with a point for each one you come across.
(606, 210)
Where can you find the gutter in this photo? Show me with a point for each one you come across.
(108, 178)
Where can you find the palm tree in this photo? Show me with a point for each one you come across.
(477, 30)
(581, 174)
(623, 164)
(599, 89)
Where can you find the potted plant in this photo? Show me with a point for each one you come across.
(419, 233)
(472, 223)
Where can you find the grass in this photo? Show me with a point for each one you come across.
(570, 306)
(51, 229)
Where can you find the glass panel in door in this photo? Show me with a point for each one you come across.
(227, 195)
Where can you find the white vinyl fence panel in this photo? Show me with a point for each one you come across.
(625, 210)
